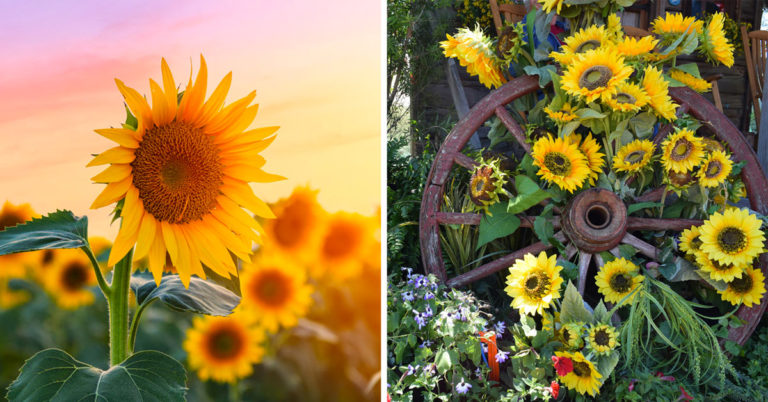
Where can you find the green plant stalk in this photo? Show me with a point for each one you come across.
(118, 311)
(135, 324)
(99, 276)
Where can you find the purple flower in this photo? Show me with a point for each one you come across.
(429, 295)
(407, 295)
(478, 373)
(421, 281)
(429, 369)
(427, 312)
(462, 387)
(502, 356)
(500, 327)
(411, 370)
(408, 270)
(426, 344)
(420, 320)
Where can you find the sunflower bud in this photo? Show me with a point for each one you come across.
(486, 183)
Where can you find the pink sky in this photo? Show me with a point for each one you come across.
(316, 67)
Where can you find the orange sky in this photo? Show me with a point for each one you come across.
(316, 70)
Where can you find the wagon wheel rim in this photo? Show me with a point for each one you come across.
(607, 217)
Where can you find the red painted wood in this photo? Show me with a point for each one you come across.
(514, 128)
(496, 265)
(634, 223)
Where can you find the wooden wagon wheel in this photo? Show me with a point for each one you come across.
(596, 219)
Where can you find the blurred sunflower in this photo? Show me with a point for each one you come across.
(562, 116)
(682, 151)
(602, 339)
(591, 150)
(715, 169)
(344, 245)
(690, 242)
(714, 43)
(10, 298)
(718, 271)
(748, 289)
(572, 334)
(580, 42)
(657, 89)
(634, 156)
(627, 98)
(613, 27)
(298, 225)
(560, 162)
(14, 265)
(594, 73)
(693, 82)
(183, 174)
(224, 349)
(474, 51)
(584, 378)
(486, 183)
(617, 279)
(733, 237)
(70, 278)
(549, 5)
(634, 47)
(675, 24)
(534, 282)
(275, 291)
(100, 247)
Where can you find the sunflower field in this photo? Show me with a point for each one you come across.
(608, 240)
(207, 292)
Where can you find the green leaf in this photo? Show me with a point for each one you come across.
(202, 297)
(443, 361)
(500, 224)
(587, 113)
(606, 364)
(412, 340)
(131, 122)
(540, 339)
(601, 313)
(529, 194)
(60, 229)
(627, 251)
(52, 374)
(529, 326)
(690, 68)
(572, 309)
(543, 229)
(642, 124)
(642, 205)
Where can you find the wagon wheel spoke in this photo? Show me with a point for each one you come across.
(584, 260)
(652, 195)
(501, 263)
(464, 160)
(635, 223)
(469, 218)
(643, 247)
(503, 114)
(570, 251)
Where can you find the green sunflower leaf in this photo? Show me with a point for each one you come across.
(573, 309)
(52, 374)
(497, 225)
(60, 229)
(606, 364)
(202, 297)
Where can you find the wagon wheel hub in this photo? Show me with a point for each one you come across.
(595, 220)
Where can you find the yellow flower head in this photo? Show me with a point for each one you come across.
(584, 378)
(591, 150)
(572, 335)
(682, 151)
(298, 225)
(224, 349)
(594, 73)
(549, 5)
(627, 98)
(70, 278)
(695, 83)
(715, 169)
(10, 298)
(487, 183)
(718, 271)
(714, 43)
(344, 245)
(561, 162)
(733, 237)
(275, 291)
(676, 24)
(534, 283)
(634, 157)
(658, 91)
(591, 38)
(690, 243)
(748, 289)
(617, 279)
(613, 26)
(183, 176)
(562, 116)
(602, 339)
(634, 47)
(474, 51)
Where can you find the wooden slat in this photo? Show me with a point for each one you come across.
(458, 218)
(513, 127)
(464, 160)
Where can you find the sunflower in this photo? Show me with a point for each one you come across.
(613, 27)
(562, 116)
(712, 145)
(10, 298)
(487, 183)
(594, 73)
(69, 279)
(634, 47)
(602, 339)
(591, 150)
(549, 5)
(714, 43)
(748, 289)
(275, 289)
(572, 335)
(587, 39)
(534, 283)
(100, 247)
(733, 237)
(690, 243)
(584, 378)
(715, 169)
(682, 151)
(183, 174)
(474, 51)
(344, 245)
(14, 265)
(224, 349)
(627, 98)
(658, 91)
(718, 271)
(617, 279)
(298, 225)
(550, 322)
(634, 156)
(691, 81)
(675, 24)
(560, 162)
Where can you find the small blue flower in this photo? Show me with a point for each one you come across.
(411, 370)
(407, 295)
(429, 369)
(421, 281)
(421, 321)
(502, 356)
(478, 373)
(429, 295)
(426, 344)
(500, 327)
(462, 387)
(427, 313)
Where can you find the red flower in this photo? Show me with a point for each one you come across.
(389, 398)
(684, 396)
(554, 388)
(632, 384)
(663, 377)
(563, 365)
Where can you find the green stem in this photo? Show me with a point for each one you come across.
(234, 391)
(118, 311)
(99, 276)
(135, 324)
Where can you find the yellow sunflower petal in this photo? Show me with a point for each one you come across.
(113, 155)
(122, 136)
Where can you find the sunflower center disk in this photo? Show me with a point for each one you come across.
(713, 169)
(225, 343)
(272, 288)
(620, 283)
(602, 338)
(595, 77)
(623, 97)
(595, 220)
(557, 163)
(178, 172)
(9, 220)
(634, 157)
(537, 284)
(741, 285)
(588, 45)
(74, 276)
(681, 150)
(731, 240)
(582, 369)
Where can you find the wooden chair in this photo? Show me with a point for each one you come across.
(512, 13)
(756, 54)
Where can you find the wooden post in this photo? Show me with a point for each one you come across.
(762, 135)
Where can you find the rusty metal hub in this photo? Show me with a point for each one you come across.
(595, 220)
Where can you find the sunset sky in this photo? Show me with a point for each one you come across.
(315, 67)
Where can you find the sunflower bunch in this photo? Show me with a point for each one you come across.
(584, 13)
(509, 45)
(476, 52)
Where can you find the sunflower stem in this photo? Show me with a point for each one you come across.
(135, 325)
(118, 310)
(99, 276)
